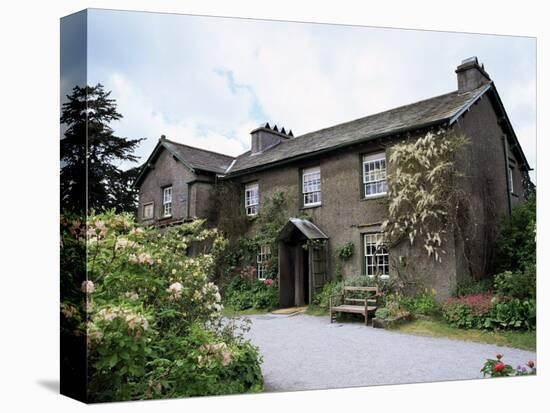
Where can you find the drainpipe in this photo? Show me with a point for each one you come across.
(507, 166)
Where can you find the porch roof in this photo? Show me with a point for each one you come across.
(309, 229)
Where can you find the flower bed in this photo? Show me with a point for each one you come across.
(497, 368)
(244, 292)
(490, 312)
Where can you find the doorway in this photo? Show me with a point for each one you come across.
(301, 272)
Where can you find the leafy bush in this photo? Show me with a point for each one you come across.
(468, 311)
(486, 311)
(517, 284)
(512, 314)
(243, 293)
(473, 287)
(383, 313)
(423, 303)
(330, 288)
(149, 313)
(393, 308)
(516, 247)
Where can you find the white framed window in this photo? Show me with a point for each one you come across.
(167, 201)
(374, 175)
(377, 259)
(311, 186)
(148, 210)
(511, 178)
(264, 255)
(251, 198)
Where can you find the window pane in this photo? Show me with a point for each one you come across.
(376, 255)
(251, 198)
(374, 174)
(311, 186)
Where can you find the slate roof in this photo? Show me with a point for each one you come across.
(420, 114)
(193, 158)
(309, 229)
(200, 159)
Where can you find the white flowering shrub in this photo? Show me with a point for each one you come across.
(150, 315)
(422, 191)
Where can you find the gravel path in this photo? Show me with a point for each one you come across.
(303, 352)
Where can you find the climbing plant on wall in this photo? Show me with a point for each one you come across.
(250, 233)
(423, 192)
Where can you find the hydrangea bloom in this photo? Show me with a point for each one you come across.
(87, 287)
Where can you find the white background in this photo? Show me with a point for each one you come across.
(29, 99)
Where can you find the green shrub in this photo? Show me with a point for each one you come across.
(423, 303)
(243, 293)
(518, 284)
(487, 312)
(512, 314)
(265, 296)
(467, 311)
(150, 315)
(330, 288)
(383, 313)
(394, 307)
(516, 246)
(473, 287)
(200, 364)
(460, 316)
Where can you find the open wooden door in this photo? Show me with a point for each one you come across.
(318, 276)
(302, 272)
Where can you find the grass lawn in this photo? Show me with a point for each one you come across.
(315, 310)
(525, 340)
(230, 312)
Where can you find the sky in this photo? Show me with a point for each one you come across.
(209, 81)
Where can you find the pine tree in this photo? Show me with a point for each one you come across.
(91, 153)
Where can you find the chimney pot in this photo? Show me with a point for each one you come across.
(265, 137)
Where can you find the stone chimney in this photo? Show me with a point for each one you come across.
(470, 75)
(266, 136)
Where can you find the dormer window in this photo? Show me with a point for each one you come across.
(251, 198)
(167, 201)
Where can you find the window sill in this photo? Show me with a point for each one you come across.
(165, 217)
(382, 277)
(377, 196)
(311, 206)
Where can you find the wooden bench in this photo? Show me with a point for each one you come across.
(354, 305)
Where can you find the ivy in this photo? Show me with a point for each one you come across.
(345, 252)
(314, 244)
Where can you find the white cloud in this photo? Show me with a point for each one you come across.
(208, 82)
(143, 120)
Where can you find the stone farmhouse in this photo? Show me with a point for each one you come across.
(337, 177)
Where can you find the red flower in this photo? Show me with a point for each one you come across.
(499, 356)
(531, 364)
(268, 281)
(499, 366)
